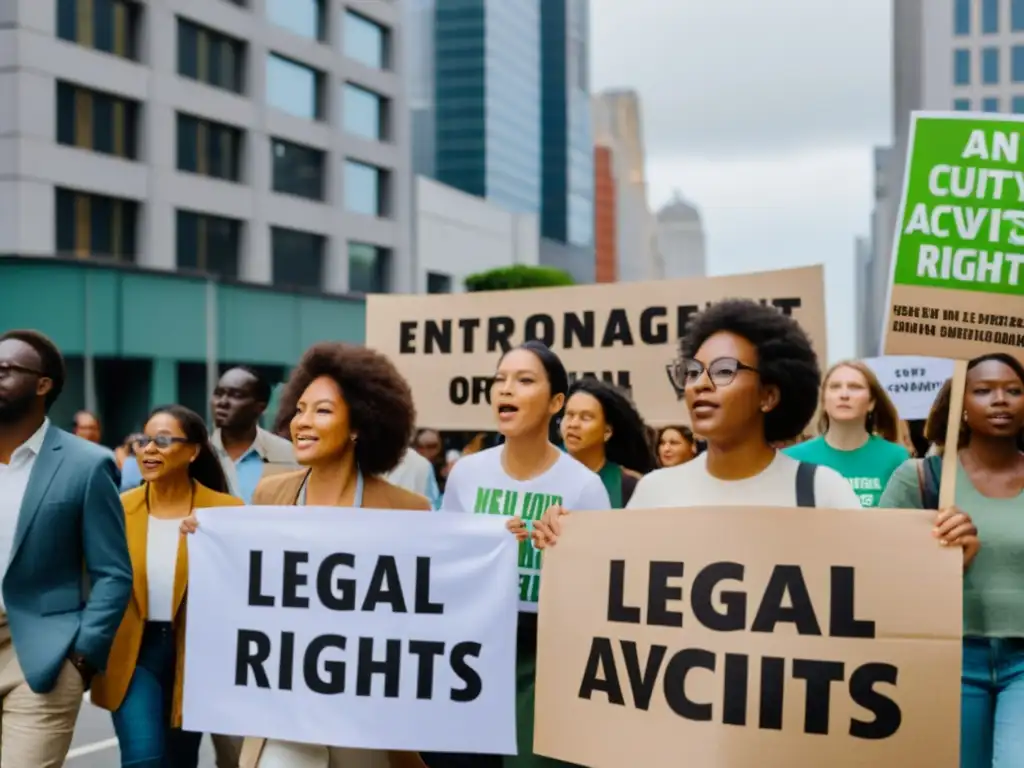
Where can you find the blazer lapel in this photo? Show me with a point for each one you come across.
(46, 465)
(136, 522)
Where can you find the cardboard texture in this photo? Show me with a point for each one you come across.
(902, 581)
(448, 346)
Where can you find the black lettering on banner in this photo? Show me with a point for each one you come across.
(474, 684)
(252, 652)
(427, 651)
(292, 579)
(389, 667)
(470, 389)
(784, 599)
(256, 596)
(407, 337)
(499, 333)
(336, 593)
(468, 326)
(579, 329)
(333, 679)
(653, 328)
(385, 587)
(422, 589)
(540, 328)
(617, 331)
(284, 669)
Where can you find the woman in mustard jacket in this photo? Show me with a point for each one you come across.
(143, 681)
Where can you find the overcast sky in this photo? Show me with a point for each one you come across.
(764, 113)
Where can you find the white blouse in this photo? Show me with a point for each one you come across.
(162, 539)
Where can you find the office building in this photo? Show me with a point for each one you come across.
(618, 128)
(680, 235)
(606, 267)
(266, 141)
(865, 332)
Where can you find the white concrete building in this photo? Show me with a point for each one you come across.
(681, 243)
(617, 124)
(260, 140)
(458, 234)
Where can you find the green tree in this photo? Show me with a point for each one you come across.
(518, 276)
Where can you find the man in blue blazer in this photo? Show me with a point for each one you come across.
(67, 575)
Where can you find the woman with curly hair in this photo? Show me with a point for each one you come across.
(990, 487)
(603, 430)
(859, 431)
(351, 418)
(750, 378)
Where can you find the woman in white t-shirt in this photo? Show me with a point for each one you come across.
(750, 378)
(522, 478)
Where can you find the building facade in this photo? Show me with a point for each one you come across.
(567, 157)
(487, 100)
(458, 234)
(606, 268)
(265, 141)
(681, 245)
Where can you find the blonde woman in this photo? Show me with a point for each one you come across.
(860, 431)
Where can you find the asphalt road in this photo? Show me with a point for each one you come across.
(95, 746)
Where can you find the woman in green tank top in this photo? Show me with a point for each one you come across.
(989, 488)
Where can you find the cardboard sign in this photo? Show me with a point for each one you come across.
(448, 346)
(912, 383)
(958, 258)
(738, 637)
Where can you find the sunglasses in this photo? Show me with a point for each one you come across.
(722, 371)
(163, 442)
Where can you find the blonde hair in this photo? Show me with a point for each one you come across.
(883, 421)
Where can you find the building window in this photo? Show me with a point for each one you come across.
(1017, 105)
(366, 41)
(990, 66)
(97, 121)
(209, 244)
(294, 88)
(439, 283)
(209, 148)
(962, 105)
(1017, 15)
(962, 17)
(364, 113)
(298, 258)
(305, 18)
(961, 67)
(990, 17)
(1017, 64)
(990, 104)
(365, 189)
(210, 57)
(89, 225)
(368, 268)
(297, 170)
(111, 26)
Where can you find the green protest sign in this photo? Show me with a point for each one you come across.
(958, 257)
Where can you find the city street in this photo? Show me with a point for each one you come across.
(95, 746)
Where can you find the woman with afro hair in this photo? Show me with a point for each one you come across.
(350, 415)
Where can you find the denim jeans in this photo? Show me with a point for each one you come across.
(142, 721)
(992, 703)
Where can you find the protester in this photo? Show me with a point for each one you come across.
(676, 445)
(990, 488)
(529, 390)
(416, 474)
(351, 417)
(63, 553)
(142, 685)
(429, 445)
(603, 430)
(87, 427)
(859, 431)
(246, 451)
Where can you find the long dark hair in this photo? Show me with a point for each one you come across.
(938, 417)
(628, 446)
(206, 469)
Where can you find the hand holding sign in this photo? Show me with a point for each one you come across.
(954, 528)
(547, 530)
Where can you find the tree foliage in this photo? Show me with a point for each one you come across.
(516, 277)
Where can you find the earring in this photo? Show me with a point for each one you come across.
(353, 438)
(965, 415)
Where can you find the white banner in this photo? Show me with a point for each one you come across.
(353, 628)
(912, 382)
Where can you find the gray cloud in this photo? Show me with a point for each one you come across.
(728, 78)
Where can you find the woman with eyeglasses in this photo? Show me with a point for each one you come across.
(750, 378)
(142, 685)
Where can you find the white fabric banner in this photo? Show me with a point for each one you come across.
(912, 382)
(353, 628)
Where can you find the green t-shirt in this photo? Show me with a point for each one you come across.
(994, 582)
(867, 468)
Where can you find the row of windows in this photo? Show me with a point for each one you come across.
(104, 123)
(91, 225)
(989, 66)
(114, 26)
(989, 104)
(989, 22)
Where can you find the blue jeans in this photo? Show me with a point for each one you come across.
(142, 721)
(992, 703)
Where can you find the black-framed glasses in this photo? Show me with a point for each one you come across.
(9, 369)
(140, 442)
(722, 371)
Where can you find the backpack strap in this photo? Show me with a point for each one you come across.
(929, 477)
(805, 473)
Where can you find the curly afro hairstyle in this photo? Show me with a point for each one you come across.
(379, 400)
(785, 359)
(628, 446)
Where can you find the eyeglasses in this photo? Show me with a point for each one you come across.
(161, 441)
(688, 371)
(9, 369)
